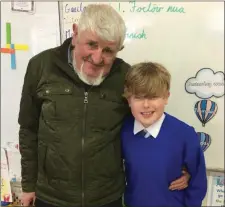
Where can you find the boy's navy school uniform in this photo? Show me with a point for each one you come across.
(155, 158)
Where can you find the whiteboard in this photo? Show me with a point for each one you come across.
(31, 33)
(185, 37)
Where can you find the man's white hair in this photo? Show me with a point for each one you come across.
(105, 21)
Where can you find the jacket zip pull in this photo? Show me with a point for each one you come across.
(85, 97)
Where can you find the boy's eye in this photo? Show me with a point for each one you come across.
(154, 98)
(138, 97)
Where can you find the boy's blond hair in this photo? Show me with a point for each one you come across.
(147, 80)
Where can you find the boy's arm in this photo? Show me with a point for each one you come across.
(195, 162)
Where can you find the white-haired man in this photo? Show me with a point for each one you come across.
(71, 113)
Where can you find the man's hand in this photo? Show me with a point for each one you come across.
(181, 183)
(28, 199)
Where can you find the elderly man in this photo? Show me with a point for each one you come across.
(71, 113)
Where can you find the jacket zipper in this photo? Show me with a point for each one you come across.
(84, 127)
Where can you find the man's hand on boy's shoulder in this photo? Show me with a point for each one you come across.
(182, 182)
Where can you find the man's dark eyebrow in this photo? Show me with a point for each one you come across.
(96, 43)
(92, 41)
(108, 48)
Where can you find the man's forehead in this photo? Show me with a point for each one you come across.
(93, 37)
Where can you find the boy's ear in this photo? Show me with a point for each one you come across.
(128, 100)
(167, 98)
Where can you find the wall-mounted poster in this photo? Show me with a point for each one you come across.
(205, 110)
(22, 6)
(205, 140)
(206, 84)
(216, 190)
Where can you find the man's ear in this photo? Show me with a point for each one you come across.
(75, 29)
(121, 48)
(75, 34)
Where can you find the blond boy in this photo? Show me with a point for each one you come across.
(156, 145)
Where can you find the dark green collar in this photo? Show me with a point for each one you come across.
(70, 55)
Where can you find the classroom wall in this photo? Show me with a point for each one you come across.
(185, 40)
(30, 33)
(188, 39)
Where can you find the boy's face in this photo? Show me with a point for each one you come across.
(147, 111)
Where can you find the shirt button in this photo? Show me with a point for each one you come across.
(67, 90)
(47, 91)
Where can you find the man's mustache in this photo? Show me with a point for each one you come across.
(89, 59)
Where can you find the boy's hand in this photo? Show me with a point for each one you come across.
(181, 183)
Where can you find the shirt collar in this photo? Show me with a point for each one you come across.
(153, 129)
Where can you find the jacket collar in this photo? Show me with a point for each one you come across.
(65, 48)
(70, 55)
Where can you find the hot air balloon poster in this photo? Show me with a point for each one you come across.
(205, 140)
(205, 110)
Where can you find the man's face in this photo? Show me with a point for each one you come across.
(147, 111)
(93, 56)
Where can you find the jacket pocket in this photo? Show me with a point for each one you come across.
(58, 102)
(114, 162)
(58, 90)
(112, 96)
(51, 164)
(51, 169)
(106, 164)
(110, 113)
(42, 150)
(117, 156)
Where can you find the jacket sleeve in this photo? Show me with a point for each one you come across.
(195, 163)
(28, 122)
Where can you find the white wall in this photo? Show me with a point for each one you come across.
(183, 36)
(39, 31)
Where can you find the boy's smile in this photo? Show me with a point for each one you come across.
(147, 114)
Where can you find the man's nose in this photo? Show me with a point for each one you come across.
(97, 56)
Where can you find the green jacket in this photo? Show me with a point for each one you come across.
(70, 134)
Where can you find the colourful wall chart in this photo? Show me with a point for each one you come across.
(11, 48)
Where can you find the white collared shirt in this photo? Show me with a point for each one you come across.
(153, 129)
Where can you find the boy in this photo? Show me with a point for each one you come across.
(156, 146)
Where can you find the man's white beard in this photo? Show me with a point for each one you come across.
(86, 79)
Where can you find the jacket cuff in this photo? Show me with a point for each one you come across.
(28, 187)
